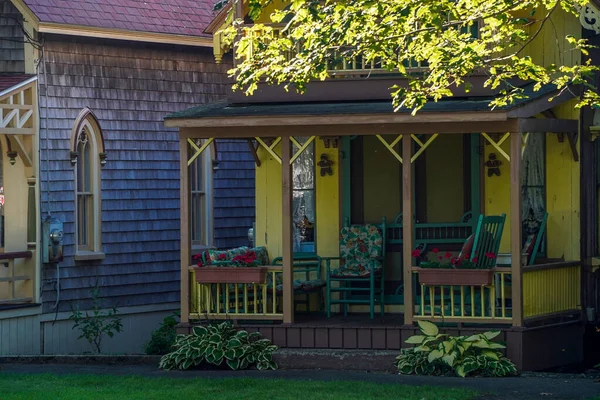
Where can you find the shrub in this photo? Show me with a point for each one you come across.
(440, 354)
(96, 323)
(162, 339)
(218, 343)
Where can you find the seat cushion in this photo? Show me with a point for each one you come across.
(313, 285)
(356, 268)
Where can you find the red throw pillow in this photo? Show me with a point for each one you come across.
(467, 248)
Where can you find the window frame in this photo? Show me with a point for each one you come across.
(87, 124)
(313, 189)
(205, 160)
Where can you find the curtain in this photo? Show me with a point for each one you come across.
(533, 184)
(303, 203)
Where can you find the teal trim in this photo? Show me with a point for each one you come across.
(475, 176)
(538, 240)
(346, 181)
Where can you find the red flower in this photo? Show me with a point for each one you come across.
(475, 259)
(440, 257)
(197, 257)
(467, 256)
(435, 250)
(455, 261)
(491, 255)
(222, 257)
(416, 253)
(448, 254)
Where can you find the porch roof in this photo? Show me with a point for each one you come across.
(450, 115)
(470, 104)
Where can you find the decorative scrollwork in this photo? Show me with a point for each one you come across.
(589, 17)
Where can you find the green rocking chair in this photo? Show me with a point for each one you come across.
(362, 260)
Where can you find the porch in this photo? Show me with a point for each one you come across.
(523, 296)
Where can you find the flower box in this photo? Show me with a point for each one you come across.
(455, 276)
(230, 274)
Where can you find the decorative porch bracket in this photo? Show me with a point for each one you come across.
(301, 147)
(270, 148)
(199, 150)
(422, 145)
(497, 144)
(390, 147)
(21, 149)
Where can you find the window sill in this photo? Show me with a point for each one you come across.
(200, 248)
(89, 256)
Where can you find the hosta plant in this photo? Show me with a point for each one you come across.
(440, 354)
(219, 343)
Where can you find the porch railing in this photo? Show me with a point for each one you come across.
(243, 301)
(551, 289)
(483, 304)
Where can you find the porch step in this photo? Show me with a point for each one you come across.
(329, 359)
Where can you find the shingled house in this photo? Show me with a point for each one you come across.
(88, 84)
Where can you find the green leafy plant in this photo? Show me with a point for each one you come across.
(95, 323)
(441, 354)
(449, 261)
(218, 343)
(162, 339)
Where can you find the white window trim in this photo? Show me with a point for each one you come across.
(207, 168)
(94, 251)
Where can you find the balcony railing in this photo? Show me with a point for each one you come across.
(341, 64)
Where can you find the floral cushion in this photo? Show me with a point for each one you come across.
(360, 246)
(262, 255)
(217, 255)
(238, 251)
(357, 268)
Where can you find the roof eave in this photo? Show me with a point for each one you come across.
(122, 34)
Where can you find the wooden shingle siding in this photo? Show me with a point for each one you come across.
(130, 87)
(12, 53)
(233, 194)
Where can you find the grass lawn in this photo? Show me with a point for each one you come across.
(92, 387)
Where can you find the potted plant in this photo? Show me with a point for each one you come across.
(449, 270)
(242, 268)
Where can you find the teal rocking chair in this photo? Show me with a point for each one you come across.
(485, 240)
(362, 260)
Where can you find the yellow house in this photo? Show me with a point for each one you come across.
(340, 156)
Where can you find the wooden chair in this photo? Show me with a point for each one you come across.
(307, 267)
(362, 259)
(485, 240)
(533, 241)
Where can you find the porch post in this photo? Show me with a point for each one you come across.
(185, 231)
(286, 218)
(407, 227)
(515, 228)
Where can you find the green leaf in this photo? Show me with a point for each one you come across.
(234, 364)
(491, 335)
(234, 343)
(199, 331)
(416, 339)
(428, 328)
(435, 355)
(460, 371)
